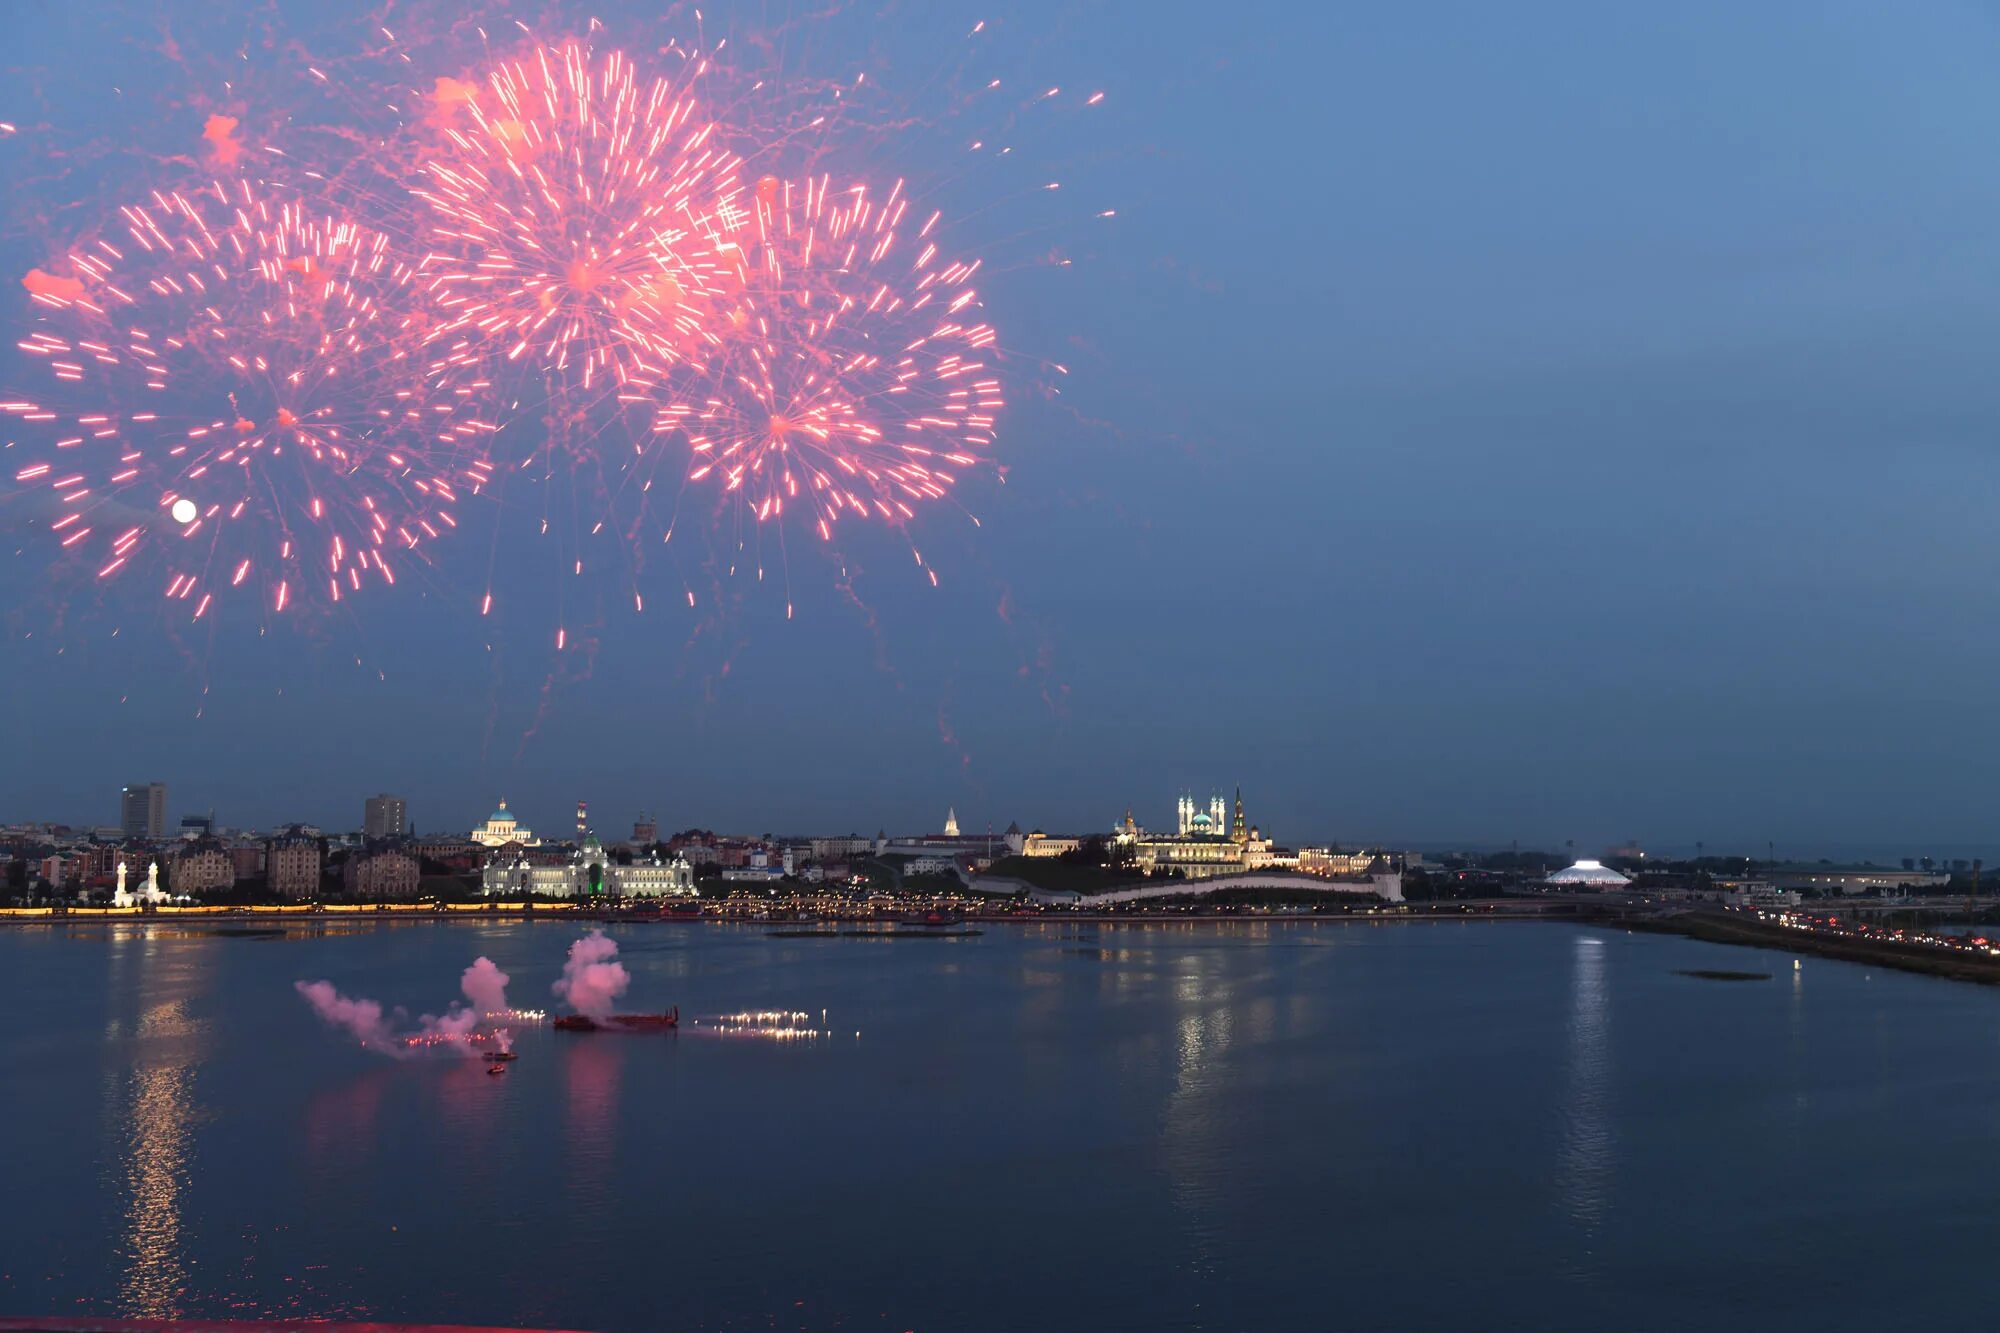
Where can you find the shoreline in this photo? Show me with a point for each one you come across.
(1526, 910)
(1712, 927)
(1898, 955)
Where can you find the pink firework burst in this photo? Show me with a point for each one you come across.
(238, 400)
(578, 208)
(854, 377)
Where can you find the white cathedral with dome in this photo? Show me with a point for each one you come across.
(502, 828)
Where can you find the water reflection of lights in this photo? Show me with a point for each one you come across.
(761, 1024)
(1584, 1174)
(1193, 1132)
(159, 1137)
(592, 1072)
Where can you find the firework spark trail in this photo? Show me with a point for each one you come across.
(234, 399)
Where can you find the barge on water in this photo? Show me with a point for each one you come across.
(666, 1022)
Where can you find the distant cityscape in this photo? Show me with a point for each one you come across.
(1210, 849)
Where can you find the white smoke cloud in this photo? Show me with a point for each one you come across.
(361, 1019)
(456, 1030)
(486, 987)
(592, 979)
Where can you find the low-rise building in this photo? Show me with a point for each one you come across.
(588, 872)
(200, 866)
(1756, 893)
(291, 865)
(825, 850)
(382, 872)
(454, 852)
(1038, 843)
(248, 859)
(1326, 861)
(1830, 880)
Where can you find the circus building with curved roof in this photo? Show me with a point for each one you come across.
(1587, 875)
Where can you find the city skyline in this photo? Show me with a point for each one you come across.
(1272, 665)
(1486, 502)
(1163, 814)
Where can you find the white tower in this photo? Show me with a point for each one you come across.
(951, 822)
(1218, 819)
(1185, 823)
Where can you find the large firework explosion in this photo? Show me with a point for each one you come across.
(579, 212)
(540, 276)
(234, 400)
(852, 379)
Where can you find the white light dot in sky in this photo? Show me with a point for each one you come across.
(183, 512)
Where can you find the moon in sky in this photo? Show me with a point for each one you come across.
(183, 512)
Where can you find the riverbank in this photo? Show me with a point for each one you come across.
(1751, 932)
(1713, 926)
(567, 914)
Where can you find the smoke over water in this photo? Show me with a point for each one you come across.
(361, 1019)
(592, 979)
(458, 1029)
(485, 986)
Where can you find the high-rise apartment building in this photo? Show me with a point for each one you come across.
(384, 817)
(142, 810)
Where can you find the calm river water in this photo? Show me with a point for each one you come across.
(1489, 1125)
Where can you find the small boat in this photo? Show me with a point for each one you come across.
(499, 1056)
(496, 1069)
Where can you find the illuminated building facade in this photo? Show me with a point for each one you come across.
(202, 866)
(502, 828)
(1203, 846)
(382, 872)
(588, 872)
(291, 866)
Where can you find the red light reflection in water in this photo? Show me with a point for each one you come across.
(591, 1073)
(341, 1123)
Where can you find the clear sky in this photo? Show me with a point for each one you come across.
(1566, 421)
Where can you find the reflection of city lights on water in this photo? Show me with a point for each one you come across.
(761, 1025)
(156, 1168)
(427, 1040)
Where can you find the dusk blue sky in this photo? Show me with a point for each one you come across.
(1545, 422)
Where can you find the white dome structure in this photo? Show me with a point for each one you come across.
(1588, 875)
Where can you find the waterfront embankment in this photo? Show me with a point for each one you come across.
(1953, 961)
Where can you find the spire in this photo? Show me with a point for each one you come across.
(1237, 830)
(951, 822)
